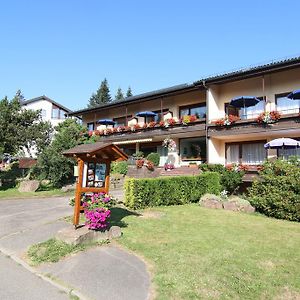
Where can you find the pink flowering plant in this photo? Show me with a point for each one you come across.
(96, 210)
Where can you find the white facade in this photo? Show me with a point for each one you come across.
(50, 110)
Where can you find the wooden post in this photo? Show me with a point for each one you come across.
(78, 193)
(107, 176)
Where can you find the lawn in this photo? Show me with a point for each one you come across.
(13, 193)
(198, 253)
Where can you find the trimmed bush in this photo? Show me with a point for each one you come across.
(278, 193)
(231, 179)
(141, 193)
(154, 157)
(119, 167)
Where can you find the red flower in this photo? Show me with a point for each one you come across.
(162, 124)
(229, 167)
(193, 118)
(219, 122)
(127, 128)
(90, 133)
(171, 122)
(150, 165)
(136, 126)
(139, 163)
(151, 124)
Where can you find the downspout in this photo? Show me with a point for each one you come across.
(203, 84)
(206, 119)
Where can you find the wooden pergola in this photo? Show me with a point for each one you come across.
(93, 169)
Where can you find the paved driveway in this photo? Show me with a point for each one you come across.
(100, 273)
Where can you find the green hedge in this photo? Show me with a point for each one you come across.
(141, 193)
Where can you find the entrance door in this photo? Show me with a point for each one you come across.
(163, 153)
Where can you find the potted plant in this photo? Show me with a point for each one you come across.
(268, 117)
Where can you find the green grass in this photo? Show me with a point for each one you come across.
(198, 253)
(13, 193)
(53, 250)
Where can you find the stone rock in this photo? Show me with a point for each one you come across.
(29, 186)
(114, 232)
(211, 204)
(248, 209)
(68, 188)
(210, 197)
(45, 182)
(231, 205)
(83, 235)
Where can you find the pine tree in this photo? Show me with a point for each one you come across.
(119, 95)
(101, 96)
(19, 96)
(129, 92)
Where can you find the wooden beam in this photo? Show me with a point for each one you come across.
(78, 193)
(118, 152)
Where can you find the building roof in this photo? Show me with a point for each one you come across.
(242, 73)
(113, 151)
(141, 97)
(43, 97)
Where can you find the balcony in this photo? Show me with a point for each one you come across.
(263, 123)
(169, 126)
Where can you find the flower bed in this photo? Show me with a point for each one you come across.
(96, 210)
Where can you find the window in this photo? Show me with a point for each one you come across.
(286, 153)
(247, 113)
(121, 121)
(90, 126)
(252, 153)
(286, 105)
(55, 113)
(62, 114)
(160, 116)
(198, 110)
(193, 149)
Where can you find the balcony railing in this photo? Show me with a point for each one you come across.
(143, 127)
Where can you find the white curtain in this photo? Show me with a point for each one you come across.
(253, 153)
(232, 154)
(286, 153)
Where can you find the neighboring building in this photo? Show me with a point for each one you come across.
(207, 99)
(51, 111)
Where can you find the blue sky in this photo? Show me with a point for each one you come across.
(64, 49)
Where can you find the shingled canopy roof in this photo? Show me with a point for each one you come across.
(99, 150)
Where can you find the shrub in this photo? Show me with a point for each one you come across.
(138, 155)
(8, 177)
(231, 178)
(141, 193)
(119, 167)
(277, 194)
(154, 157)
